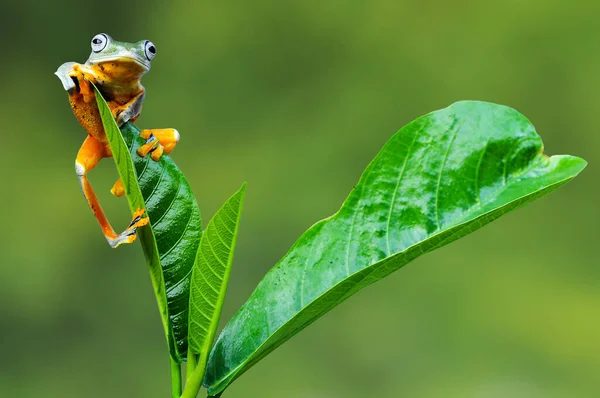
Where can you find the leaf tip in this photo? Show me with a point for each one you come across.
(242, 190)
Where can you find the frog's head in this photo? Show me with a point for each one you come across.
(109, 54)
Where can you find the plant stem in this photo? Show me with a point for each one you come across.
(175, 378)
(194, 381)
(192, 362)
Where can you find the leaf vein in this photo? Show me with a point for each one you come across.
(400, 175)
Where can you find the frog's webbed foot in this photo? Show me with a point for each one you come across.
(129, 235)
(158, 141)
(152, 146)
(63, 72)
(75, 79)
(80, 79)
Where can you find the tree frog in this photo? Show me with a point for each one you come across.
(116, 68)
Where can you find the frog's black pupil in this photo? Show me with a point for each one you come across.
(97, 41)
(152, 49)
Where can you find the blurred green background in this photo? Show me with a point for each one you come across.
(296, 98)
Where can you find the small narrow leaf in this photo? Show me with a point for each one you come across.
(439, 178)
(211, 273)
(210, 276)
(170, 241)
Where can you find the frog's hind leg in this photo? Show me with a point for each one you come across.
(158, 141)
(90, 153)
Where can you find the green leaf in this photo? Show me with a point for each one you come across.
(209, 282)
(171, 239)
(439, 178)
(211, 273)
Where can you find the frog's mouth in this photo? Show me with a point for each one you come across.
(119, 70)
(133, 63)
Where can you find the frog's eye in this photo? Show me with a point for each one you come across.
(149, 49)
(99, 42)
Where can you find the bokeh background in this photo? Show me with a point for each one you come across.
(295, 98)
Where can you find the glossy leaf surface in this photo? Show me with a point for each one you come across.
(439, 178)
(171, 239)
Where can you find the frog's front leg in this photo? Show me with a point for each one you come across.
(130, 111)
(90, 153)
(80, 80)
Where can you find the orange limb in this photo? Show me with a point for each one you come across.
(158, 141)
(90, 153)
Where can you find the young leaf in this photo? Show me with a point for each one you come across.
(439, 178)
(209, 281)
(211, 273)
(170, 241)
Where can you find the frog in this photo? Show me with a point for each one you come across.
(116, 69)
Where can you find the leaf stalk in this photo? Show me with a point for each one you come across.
(175, 379)
(192, 362)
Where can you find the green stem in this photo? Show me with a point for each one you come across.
(192, 362)
(194, 381)
(175, 379)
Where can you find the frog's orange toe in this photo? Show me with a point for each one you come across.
(142, 222)
(117, 189)
(138, 220)
(151, 146)
(157, 153)
(145, 134)
(138, 212)
(169, 147)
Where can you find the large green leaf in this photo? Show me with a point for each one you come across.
(439, 178)
(171, 239)
(210, 276)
